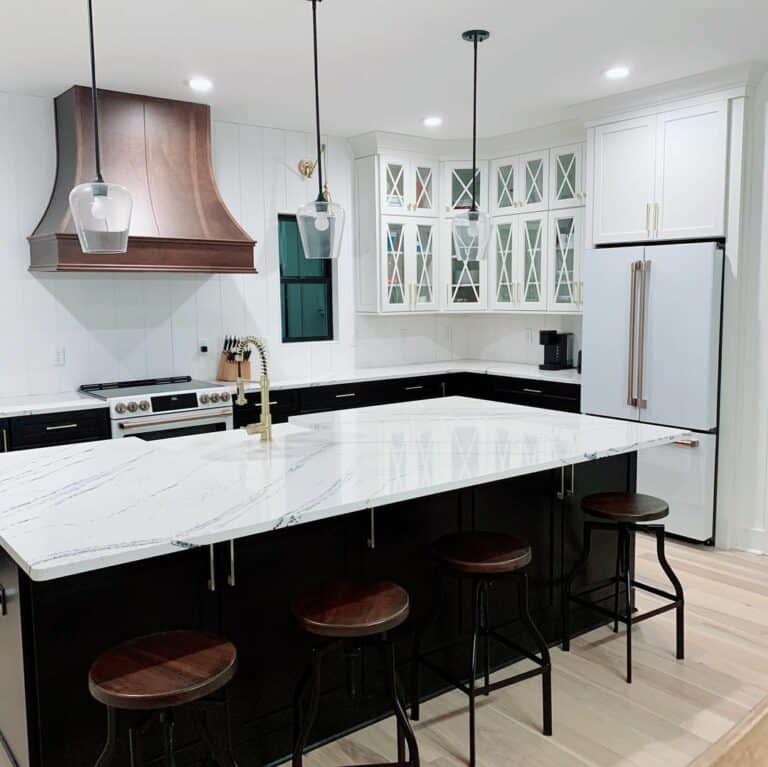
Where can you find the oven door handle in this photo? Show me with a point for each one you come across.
(157, 422)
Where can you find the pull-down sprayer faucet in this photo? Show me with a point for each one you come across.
(264, 426)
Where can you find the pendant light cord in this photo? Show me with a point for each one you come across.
(321, 193)
(474, 137)
(94, 99)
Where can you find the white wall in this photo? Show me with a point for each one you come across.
(121, 326)
(743, 491)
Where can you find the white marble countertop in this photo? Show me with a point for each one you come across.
(508, 369)
(37, 404)
(78, 508)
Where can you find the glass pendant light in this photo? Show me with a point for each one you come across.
(101, 211)
(321, 222)
(472, 228)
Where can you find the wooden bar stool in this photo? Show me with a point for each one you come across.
(484, 557)
(350, 612)
(155, 675)
(624, 511)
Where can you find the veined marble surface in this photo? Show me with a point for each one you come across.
(36, 404)
(77, 508)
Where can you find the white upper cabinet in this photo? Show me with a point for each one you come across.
(467, 287)
(691, 158)
(534, 182)
(409, 186)
(457, 186)
(661, 176)
(566, 176)
(564, 261)
(504, 264)
(504, 186)
(409, 264)
(625, 167)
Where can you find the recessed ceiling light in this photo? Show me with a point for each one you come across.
(616, 73)
(200, 84)
(433, 122)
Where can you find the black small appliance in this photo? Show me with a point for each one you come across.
(558, 350)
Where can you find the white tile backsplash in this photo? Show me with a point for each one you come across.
(131, 326)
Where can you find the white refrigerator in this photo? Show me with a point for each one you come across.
(651, 353)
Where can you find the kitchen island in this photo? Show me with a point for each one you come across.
(104, 541)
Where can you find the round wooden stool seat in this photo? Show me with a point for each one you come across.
(347, 609)
(625, 507)
(162, 670)
(483, 553)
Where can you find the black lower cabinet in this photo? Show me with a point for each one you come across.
(551, 395)
(283, 404)
(67, 623)
(65, 428)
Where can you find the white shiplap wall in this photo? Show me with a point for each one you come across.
(121, 326)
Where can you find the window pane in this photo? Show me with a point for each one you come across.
(292, 261)
(306, 314)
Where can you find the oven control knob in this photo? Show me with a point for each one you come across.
(215, 397)
(204, 399)
(144, 405)
(132, 407)
(120, 408)
(225, 396)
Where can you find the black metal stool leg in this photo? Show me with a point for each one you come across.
(678, 587)
(298, 702)
(404, 729)
(627, 575)
(617, 585)
(533, 630)
(476, 590)
(568, 583)
(110, 747)
(168, 738)
(314, 702)
(486, 631)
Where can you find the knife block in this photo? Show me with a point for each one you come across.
(227, 370)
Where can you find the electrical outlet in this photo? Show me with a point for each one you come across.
(59, 357)
(202, 346)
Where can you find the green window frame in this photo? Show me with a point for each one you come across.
(306, 288)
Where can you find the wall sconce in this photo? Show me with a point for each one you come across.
(307, 170)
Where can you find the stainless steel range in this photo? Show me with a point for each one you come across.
(158, 408)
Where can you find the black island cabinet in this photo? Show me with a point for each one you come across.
(53, 630)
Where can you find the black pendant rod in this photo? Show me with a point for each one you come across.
(474, 136)
(321, 193)
(94, 99)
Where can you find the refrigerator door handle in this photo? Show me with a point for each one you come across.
(633, 268)
(645, 271)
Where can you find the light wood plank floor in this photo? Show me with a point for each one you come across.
(672, 712)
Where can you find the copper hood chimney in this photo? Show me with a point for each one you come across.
(160, 150)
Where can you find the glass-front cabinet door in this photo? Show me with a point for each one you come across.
(395, 298)
(566, 246)
(504, 186)
(424, 239)
(409, 186)
(532, 247)
(533, 182)
(467, 286)
(566, 180)
(457, 186)
(409, 264)
(503, 258)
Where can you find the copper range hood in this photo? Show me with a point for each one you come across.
(160, 150)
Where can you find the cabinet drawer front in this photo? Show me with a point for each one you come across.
(59, 428)
(407, 389)
(319, 398)
(544, 394)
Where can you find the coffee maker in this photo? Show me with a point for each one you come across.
(558, 350)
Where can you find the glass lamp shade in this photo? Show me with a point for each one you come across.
(471, 233)
(102, 216)
(321, 227)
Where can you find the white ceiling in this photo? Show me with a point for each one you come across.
(384, 65)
